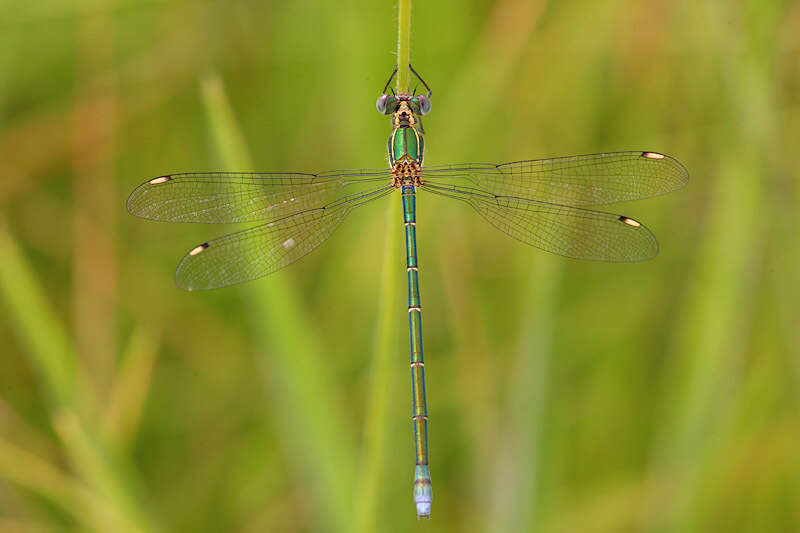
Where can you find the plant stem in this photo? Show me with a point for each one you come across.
(376, 432)
(403, 45)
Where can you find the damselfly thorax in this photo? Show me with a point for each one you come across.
(406, 173)
(406, 145)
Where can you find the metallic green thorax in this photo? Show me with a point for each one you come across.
(406, 142)
(406, 150)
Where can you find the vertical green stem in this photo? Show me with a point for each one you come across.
(376, 435)
(320, 446)
(403, 44)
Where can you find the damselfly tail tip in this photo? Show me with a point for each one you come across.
(423, 510)
(423, 493)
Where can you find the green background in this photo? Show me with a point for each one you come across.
(563, 396)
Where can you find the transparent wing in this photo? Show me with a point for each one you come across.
(560, 229)
(581, 180)
(226, 197)
(256, 252)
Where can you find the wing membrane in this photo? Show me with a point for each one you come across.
(256, 252)
(582, 180)
(560, 229)
(227, 197)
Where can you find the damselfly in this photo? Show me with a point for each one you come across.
(541, 202)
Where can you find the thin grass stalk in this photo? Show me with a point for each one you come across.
(707, 349)
(309, 414)
(376, 427)
(48, 346)
(37, 475)
(128, 393)
(24, 469)
(52, 356)
(474, 372)
(513, 504)
(403, 45)
(108, 475)
(709, 342)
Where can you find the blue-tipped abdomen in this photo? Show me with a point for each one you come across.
(423, 494)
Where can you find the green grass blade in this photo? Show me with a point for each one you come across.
(24, 469)
(513, 501)
(308, 411)
(403, 45)
(376, 430)
(708, 351)
(129, 391)
(52, 356)
(226, 134)
(32, 473)
(105, 472)
(48, 346)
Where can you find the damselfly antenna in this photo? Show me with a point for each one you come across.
(390, 81)
(419, 78)
(416, 74)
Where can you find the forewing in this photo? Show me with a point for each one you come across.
(560, 229)
(227, 197)
(582, 180)
(256, 252)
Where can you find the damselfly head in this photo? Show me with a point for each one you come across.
(389, 104)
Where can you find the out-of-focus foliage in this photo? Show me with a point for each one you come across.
(563, 396)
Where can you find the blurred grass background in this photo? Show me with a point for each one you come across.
(564, 396)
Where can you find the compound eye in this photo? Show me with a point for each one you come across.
(424, 104)
(381, 103)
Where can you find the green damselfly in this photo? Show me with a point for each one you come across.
(541, 202)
